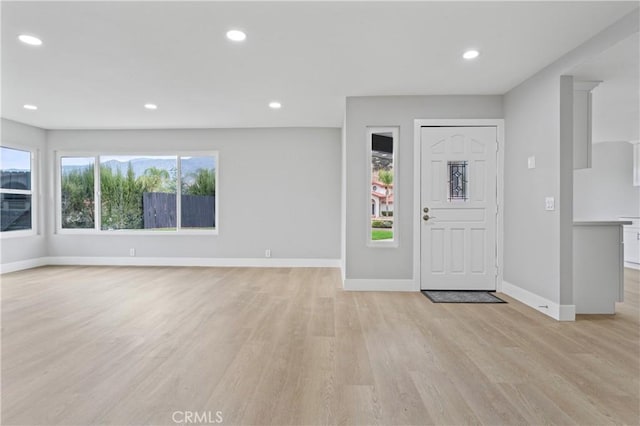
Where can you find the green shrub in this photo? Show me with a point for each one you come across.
(381, 224)
(387, 214)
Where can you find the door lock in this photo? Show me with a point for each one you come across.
(426, 210)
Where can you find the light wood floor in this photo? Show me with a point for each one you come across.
(122, 345)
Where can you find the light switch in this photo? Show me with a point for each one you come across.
(549, 203)
(531, 162)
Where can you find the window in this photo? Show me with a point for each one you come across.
(152, 193)
(197, 201)
(77, 192)
(381, 147)
(138, 192)
(16, 190)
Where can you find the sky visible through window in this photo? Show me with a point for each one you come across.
(13, 159)
(77, 161)
(127, 158)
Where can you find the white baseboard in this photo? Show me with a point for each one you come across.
(194, 261)
(566, 313)
(379, 285)
(5, 268)
(539, 303)
(172, 261)
(632, 265)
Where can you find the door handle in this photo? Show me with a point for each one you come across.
(426, 217)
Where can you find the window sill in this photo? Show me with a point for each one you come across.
(383, 244)
(93, 232)
(18, 234)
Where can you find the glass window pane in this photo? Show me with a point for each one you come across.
(138, 192)
(16, 212)
(16, 168)
(77, 192)
(198, 201)
(458, 180)
(382, 173)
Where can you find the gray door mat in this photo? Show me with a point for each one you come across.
(461, 296)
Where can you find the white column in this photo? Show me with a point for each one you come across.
(636, 162)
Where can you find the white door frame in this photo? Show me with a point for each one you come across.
(417, 182)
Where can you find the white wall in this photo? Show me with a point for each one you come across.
(538, 253)
(297, 217)
(531, 234)
(606, 191)
(363, 262)
(21, 249)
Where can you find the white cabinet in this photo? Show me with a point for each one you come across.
(631, 237)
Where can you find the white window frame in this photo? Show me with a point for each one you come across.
(96, 230)
(395, 134)
(34, 192)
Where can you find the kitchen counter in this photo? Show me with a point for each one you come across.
(602, 223)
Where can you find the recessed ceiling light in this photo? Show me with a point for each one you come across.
(30, 107)
(151, 106)
(27, 39)
(275, 105)
(236, 35)
(470, 54)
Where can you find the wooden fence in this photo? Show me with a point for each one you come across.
(198, 211)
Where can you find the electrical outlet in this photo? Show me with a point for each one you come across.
(132, 252)
(267, 253)
(549, 203)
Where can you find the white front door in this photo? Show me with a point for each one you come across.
(458, 198)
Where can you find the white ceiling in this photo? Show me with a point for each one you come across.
(101, 61)
(616, 101)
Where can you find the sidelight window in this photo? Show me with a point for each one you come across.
(382, 207)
